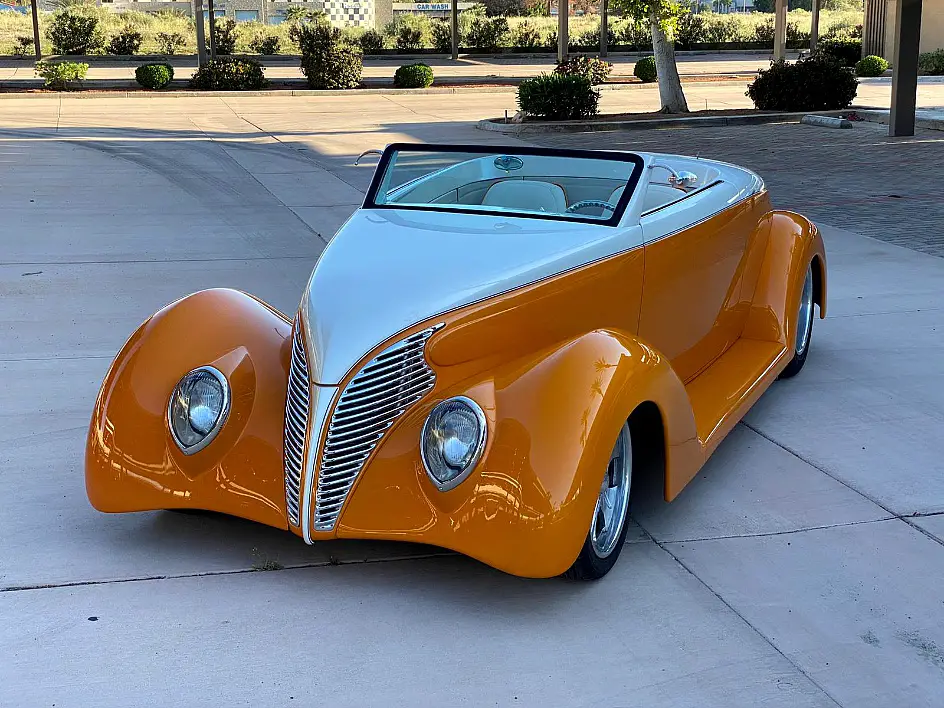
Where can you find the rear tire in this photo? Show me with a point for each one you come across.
(804, 333)
(610, 521)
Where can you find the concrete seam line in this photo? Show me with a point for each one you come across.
(901, 517)
(759, 633)
(787, 532)
(213, 573)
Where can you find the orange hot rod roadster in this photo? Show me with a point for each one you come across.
(480, 355)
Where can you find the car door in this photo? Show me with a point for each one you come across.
(694, 249)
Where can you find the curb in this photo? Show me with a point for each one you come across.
(589, 126)
(881, 116)
(371, 86)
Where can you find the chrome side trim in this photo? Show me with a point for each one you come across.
(295, 432)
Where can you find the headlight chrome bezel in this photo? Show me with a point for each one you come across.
(220, 421)
(480, 443)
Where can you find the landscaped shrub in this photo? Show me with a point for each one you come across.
(441, 34)
(932, 62)
(645, 70)
(229, 74)
(504, 8)
(169, 42)
(816, 83)
(558, 97)
(525, 36)
(126, 43)
(871, 66)
(765, 31)
(409, 32)
(488, 33)
(61, 75)
(413, 76)
(225, 29)
(329, 59)
(266, 44)
(75, 32)
(154, 76)
(371, 42)
(409, 39)
(23, 46)
(690, 29)
(591, 38)
(634, 33)
(595, 70)
(846, 51)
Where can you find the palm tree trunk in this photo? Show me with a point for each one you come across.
(670, 85)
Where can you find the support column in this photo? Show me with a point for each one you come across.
(211, 13)
(901, 121)
(37, 46)
(563, 10)
(814, 27)
(780, 29)
(604, 25)
(201, 35)
(454, 19)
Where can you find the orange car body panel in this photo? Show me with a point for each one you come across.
(557, 366)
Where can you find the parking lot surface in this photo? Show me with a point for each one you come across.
(802, 567)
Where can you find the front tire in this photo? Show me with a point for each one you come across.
(610, 521)
(804, 331)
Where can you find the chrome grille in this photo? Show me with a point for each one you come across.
(388, 384)
(297, 405)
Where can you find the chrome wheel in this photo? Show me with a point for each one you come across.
(610, 513)
(805, 315)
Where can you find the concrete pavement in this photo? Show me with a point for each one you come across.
(801, 568)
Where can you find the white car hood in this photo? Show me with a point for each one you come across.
(389, 269)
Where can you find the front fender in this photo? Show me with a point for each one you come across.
(133, 464)
(553, 419)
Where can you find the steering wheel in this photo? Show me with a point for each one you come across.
(590, 203)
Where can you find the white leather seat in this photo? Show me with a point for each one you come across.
(616, 195)
(526, 195)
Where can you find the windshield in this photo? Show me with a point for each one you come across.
(576, 185)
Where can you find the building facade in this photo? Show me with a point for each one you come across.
(879, 29)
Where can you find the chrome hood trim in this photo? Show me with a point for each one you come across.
(387, 270)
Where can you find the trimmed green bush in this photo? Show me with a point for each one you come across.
(265, 44)
(645, 70)
(596, 70)
(442, 36)
(558, 97)
(126, 43)
(230, 74)
(846, 51)
(488, 33)
(932, 63)
(154, 76)
(371, 42)
(526, 36)
(225, 29)
(75, 32)
(413, 76)
(169, 42)
(329, 59)
(23, 46)
(816, 83)
(871, 66)
(409, 39)
(61, 75)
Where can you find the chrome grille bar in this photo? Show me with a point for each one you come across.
(297, 412)
(372, 401)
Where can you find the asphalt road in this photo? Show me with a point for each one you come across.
(802, 567)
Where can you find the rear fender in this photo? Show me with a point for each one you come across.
(132, 462)
(794, 244)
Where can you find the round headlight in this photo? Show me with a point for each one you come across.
(453, 440)
(198, 408)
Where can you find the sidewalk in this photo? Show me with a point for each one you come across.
(469, 69)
